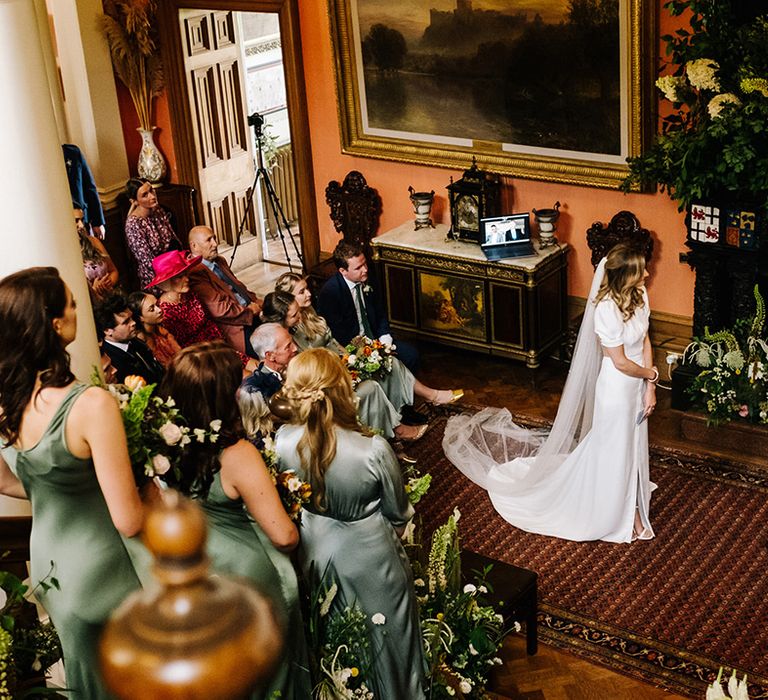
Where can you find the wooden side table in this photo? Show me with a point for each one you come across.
(447, 291)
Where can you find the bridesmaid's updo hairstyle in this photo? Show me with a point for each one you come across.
(319, 389)
(312, 324)
(30, 300)
(203, 380)
(624, 268)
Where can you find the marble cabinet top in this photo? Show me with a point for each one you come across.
(435, 241)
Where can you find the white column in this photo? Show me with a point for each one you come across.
(37, 227)
(90, 96)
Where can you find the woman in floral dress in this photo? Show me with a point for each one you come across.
(148, 230)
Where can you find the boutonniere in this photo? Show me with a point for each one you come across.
(367, 289)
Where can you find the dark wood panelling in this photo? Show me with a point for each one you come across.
(507, 316)
(400, 289)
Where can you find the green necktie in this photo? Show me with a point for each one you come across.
(363, 313)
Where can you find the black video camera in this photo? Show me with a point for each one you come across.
(256, 120)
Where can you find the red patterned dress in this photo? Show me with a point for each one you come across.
(188, 322)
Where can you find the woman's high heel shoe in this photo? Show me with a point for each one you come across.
(420, 432)
(455, 395)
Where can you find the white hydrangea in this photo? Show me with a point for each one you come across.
(673, 87)
(378, 619)
(717, 103)
(702, 74)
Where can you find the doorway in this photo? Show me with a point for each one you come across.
(275, 201)
(214, 133)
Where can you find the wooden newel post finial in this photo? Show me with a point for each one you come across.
(195, 636)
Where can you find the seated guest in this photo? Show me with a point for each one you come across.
(374, 408)
(116, 329)
(233, 308)
(148, 229)
(183, 314)
(149, 326)
(229, 479)
(311, 330)
(275, 347)
(352, 306)
(350, 530)
(252, 400)
(100, 271)
(108, 369)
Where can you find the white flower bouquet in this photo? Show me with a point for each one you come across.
(157, 433)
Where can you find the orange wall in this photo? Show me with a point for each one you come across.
(163, 134)
(671, 285)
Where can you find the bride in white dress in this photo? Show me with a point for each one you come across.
(588, 478)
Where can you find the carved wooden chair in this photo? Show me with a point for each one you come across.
(623, 228)
(355, 210)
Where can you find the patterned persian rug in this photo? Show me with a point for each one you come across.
(670, 611)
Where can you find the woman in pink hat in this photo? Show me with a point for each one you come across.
(183, 314)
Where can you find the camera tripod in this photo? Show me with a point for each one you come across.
(257, 122)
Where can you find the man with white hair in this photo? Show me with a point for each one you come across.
(275, 347)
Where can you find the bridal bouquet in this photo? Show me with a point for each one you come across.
(294, 493)
(157, 433)
(367, 359)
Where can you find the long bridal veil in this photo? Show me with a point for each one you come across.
(482, 444)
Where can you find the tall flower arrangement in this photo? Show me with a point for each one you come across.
(128, 26)
(733, 381)
(713, 142)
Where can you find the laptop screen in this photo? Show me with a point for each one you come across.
(513, 230)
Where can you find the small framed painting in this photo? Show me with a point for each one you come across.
(452, 305)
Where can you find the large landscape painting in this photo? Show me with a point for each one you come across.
(530, 86)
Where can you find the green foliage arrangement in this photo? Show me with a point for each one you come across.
(713, 143)
(339, 648)
(28, 647)
(462, 631)
(733, 382)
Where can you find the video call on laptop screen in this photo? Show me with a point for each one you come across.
(501, 230)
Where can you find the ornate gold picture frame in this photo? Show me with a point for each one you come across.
(420, 83)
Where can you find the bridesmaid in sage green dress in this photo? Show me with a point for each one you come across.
(350, 531)
(66, 446)
(231, 482)
(311, 331)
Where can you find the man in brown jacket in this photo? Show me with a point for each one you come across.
(226, 299)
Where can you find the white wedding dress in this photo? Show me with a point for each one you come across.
(586, 479)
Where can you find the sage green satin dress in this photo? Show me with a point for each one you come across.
(238, 547)
(381, 400)
(355, 544)
(74, 540)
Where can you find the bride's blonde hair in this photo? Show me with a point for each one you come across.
(624, 268)
(311, 324)
(319, 389)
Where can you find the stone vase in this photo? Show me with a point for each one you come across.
(151, 165)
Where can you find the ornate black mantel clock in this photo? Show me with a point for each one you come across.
(474, 197)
